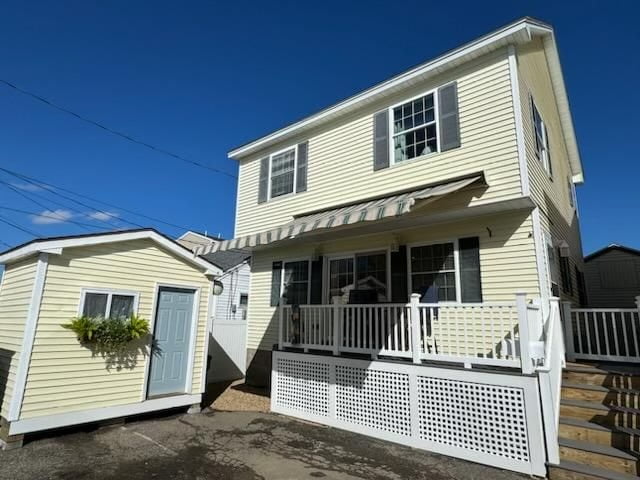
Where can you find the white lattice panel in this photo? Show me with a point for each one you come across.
(486, 418)
(302, 385)
(374, 398)
(480, 416)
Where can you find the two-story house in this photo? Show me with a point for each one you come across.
(425, 218)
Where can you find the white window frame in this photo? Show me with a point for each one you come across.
(110, 293)
(282, 273)
(295, 171)
(392, 135)
(326, 279)
(456, 264)
(543, 156)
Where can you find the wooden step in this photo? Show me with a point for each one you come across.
(608, 376)
(597, 393)
(583, 430)
(568, 470)
(608, 415)
(601, 456)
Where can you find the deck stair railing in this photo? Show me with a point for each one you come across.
(505, 334)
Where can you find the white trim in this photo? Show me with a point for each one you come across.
(204, 237)
(295, 171)
(433, 92)
(110, 292)
(517, 112)
(211, 308)
(28, 337)
(84, 241)
(540, 248)
(47, 422)
(517, 31)
(195, 316)
(456, 263)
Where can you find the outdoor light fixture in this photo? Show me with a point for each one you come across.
(218, 287)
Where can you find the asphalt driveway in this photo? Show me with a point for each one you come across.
(228, 445)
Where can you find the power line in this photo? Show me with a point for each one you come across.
(114, 132)
(42, 183)
(30, 232)
(50, 215)
(5, 243)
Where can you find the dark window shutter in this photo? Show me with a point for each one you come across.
(263, 185)
(316, 282)
(276, 283)
(381, 140)
(399, 287)
(470, 281)
(448, 117)
(301, 174)
(565, 274)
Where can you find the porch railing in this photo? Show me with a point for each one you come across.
(608, 334)
(500, 334)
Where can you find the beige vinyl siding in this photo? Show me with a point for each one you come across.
(552, 196)
(507, 260)
(15, 297)
(63, 375)
(613, 280)
(340, 156)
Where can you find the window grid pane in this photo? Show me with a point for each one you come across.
(95, 305)
(121, 306)
(414, 129)
(296, 282)
(340, 276)
(282, 173)
(372, 273)
(434, 265)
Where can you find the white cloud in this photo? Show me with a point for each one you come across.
(103, 215)
(51, 216)
(29, 187)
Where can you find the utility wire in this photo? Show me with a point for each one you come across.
(5, 243)
(114, 132)
(50, 189)
(41, 183)
(25, 230)
(52, 217)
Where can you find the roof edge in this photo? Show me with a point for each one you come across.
(610, 248)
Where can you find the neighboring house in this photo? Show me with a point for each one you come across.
(227, 346)
(401, 224)
(612, 276)
(49, 379)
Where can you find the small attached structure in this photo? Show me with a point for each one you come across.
(49, 379)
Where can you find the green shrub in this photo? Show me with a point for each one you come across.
(108, 334)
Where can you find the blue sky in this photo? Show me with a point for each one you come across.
(199, 78)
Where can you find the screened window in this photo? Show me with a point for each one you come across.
(542, 139)
(571, 192)
(433, 267)
(296, 282)
(414, 129)
(244, 299)
(108, 305)
(365, 271)
(283, 167)
(565, 272)
(341, 274)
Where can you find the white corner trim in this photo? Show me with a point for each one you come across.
(211, 308)
(46, 422)
(517, 112)
(539, 244)
(29, 335)
(195, 317)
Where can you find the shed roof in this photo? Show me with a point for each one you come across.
(228, 259)
(609, 248)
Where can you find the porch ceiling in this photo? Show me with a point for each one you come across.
(379, 213)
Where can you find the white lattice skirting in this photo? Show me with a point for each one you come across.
(487, 418)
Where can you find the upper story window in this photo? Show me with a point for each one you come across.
(542, 139)
(414, 128)
(282, 172)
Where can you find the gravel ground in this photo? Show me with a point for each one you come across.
(239, 397)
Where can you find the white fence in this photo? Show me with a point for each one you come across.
(609, 334)
(489, 418)
(499, 334)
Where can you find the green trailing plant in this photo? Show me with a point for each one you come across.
(108, 334)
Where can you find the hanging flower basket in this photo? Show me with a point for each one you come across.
(108, 334)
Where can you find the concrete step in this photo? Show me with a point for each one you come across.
(623, 397)
(601, 456)
(583, 430)
(607, 415)
(620, 376)
(568, 470)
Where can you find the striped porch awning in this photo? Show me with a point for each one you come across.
(392, 206)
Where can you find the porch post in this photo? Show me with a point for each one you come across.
(526, 361)
(414, 311)
(336, 325)
(280, 323)
(569, 338)
(638, 305)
